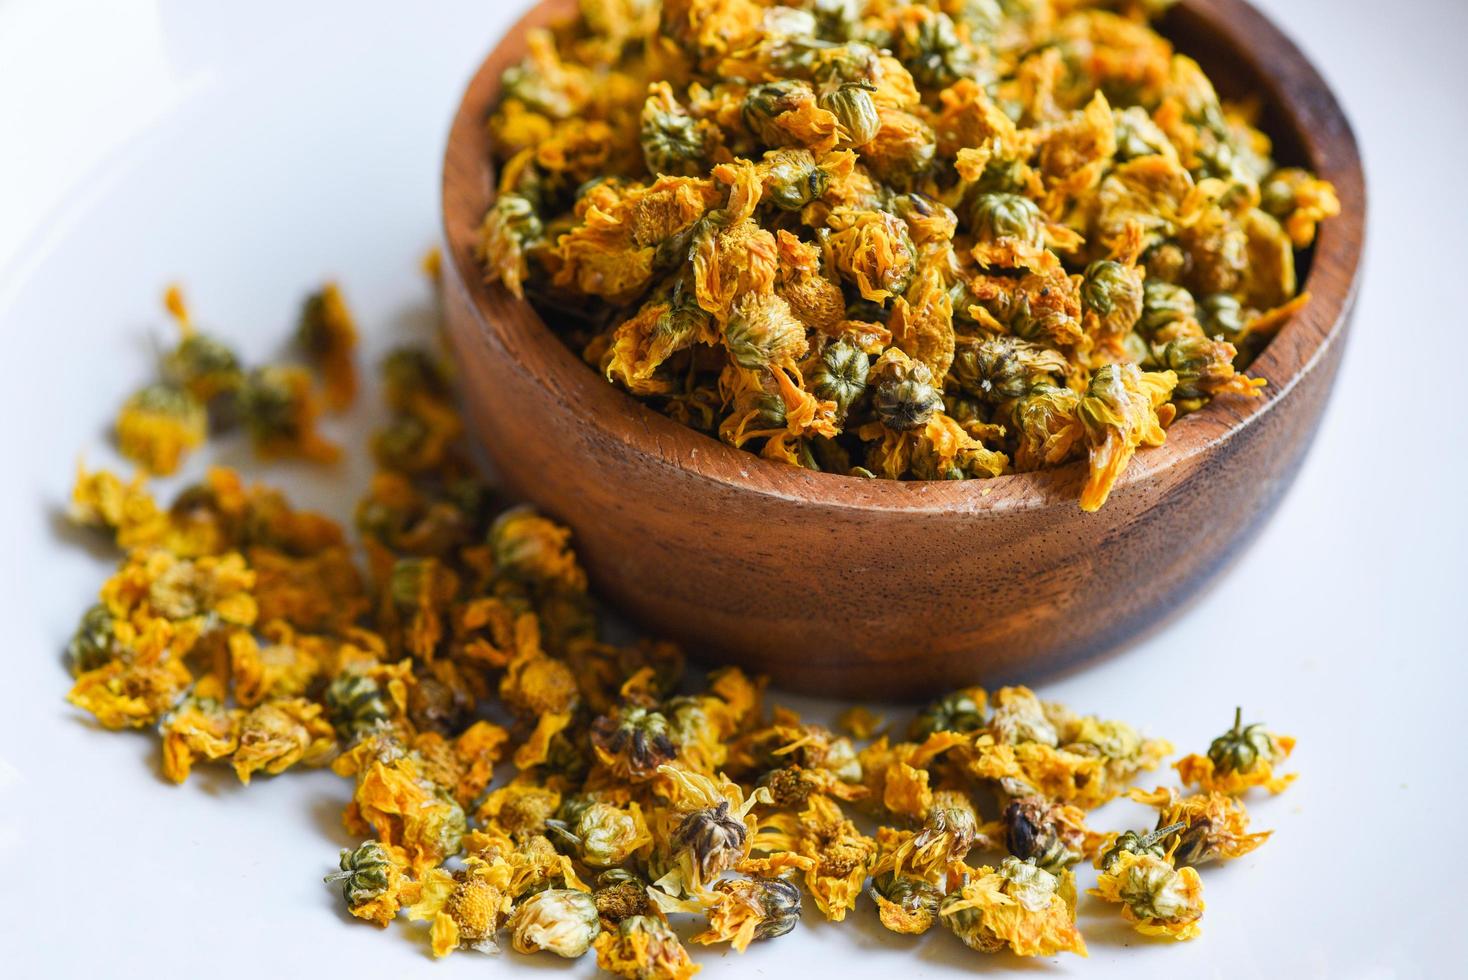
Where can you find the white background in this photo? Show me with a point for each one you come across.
(251, 150)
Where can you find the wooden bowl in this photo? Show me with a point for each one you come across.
(882, 589)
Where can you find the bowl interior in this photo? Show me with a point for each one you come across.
(1244, 54)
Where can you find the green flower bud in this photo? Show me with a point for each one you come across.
(1131, 842)
(956, 711)
(1199, 363)
(673, 142)
(366, 873)
(794, 180)
(204, 366)
(169, 401)
(854, 110)
(998, 369)
(1137, 135)
(932, 51)
(913, 896)
(1154, 890)
(1113, 292)
(1240, 748)
(93, 644)
(1028, 883)
(841, 375)
(356, 705)
(762, 331)
(767, 102)
(1163, 303)
(777, 899)
(1221, 314)
(605, 835)
(905, 397)
(994, 216)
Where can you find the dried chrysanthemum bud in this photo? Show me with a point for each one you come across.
(840, 375)
(1114, 293)
(905, 397)
(279, 410)
(365, 873)
(714, 838)
(957, 711)
(204, 366)
(557, 920)
(1164, 303)
(1016, 906)
(94, 642)
(511, 226)
(1221, 314)
(158, 425)
(1037, 829)
(794, 179)
(1153, 890)
(1158, 899)
(1020, 717)
(1137, 135)
(1204, 368)
(950, 829)
(1130, 842)
(1199, 844)
(994, 216)
(782, 113)
(356, 705)
(621, 894)
(643, 948)
(780, 902)
(673, 142)
(997, 369)
(790, 787)
(327, 335)
(633, 741)
(905, 904)
(605, 835)
(856, 114)
(762, 332)
(410, 371)
(928, 45)
(1242, 747)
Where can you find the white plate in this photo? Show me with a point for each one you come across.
(252, 150)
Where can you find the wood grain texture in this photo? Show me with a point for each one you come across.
(875, 588)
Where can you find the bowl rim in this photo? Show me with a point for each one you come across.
(1293, 87)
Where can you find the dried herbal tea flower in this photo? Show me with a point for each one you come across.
(557, 920)
(1017, 906)
(1154, 844)
(372, 881)
(958, 711)
(327, 334)
(159, 425)
(1051, 835)
(1211, 826)
(643, 948)
(904, 904)
(1158, 899)
(279, 409)
(1241, 757)
(745, 909)
(739, 211)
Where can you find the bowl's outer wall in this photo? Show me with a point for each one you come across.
(846, 592)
